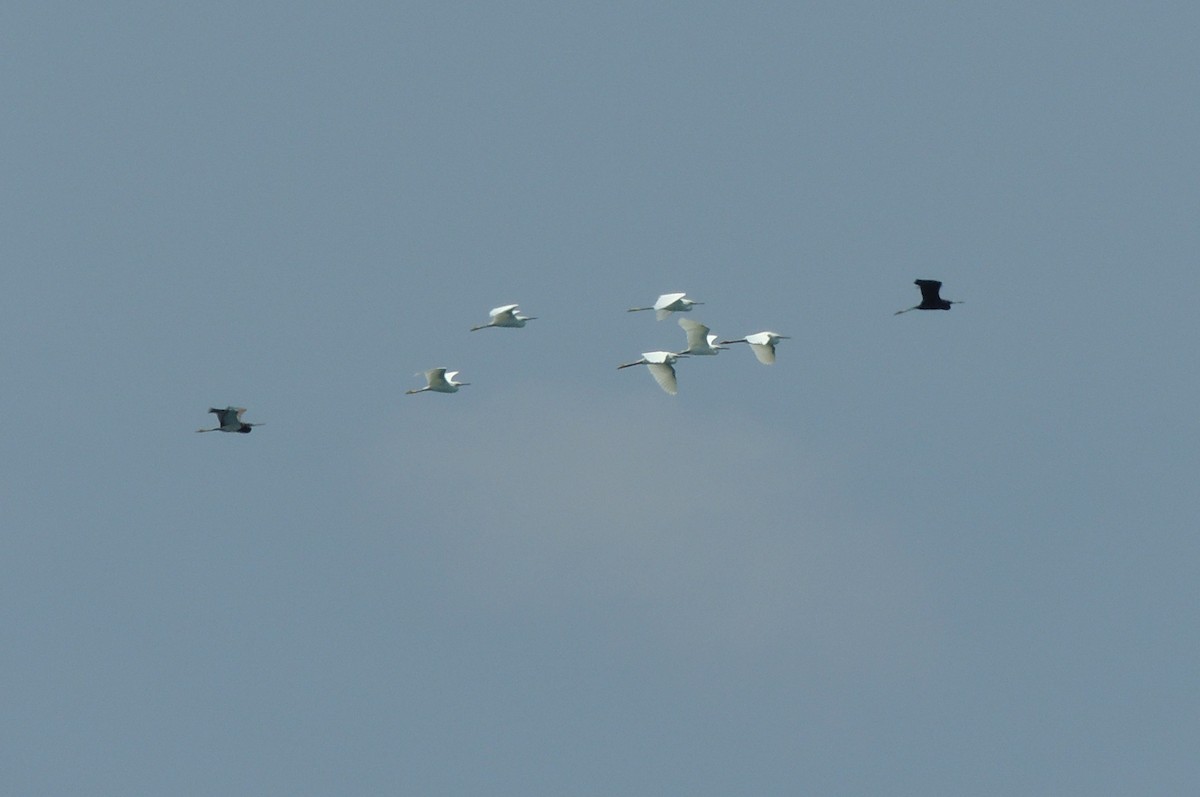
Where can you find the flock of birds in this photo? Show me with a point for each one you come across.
(661, 364)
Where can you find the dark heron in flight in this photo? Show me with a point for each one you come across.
(230, 420)
(930, 298)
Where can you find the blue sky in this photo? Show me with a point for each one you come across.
(940, 553)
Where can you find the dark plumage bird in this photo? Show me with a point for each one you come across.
(931, 299)
(230, 420)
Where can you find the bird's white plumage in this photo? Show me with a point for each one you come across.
(669, 303)
(672, 303)
(439, 380)
(659, 357)
(660, 365)
(762, 344)
(664, 374)
(700, 341)
(765, 352)
(505, 316)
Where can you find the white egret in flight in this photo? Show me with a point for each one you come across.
(668, 303)
(506, 316)
(763, 345)
(660, 364)
(439, 380)
(700, 340)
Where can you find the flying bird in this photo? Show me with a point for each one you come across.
(700, 341)
(506, 316)
(668, 303)
(661, 368)
(230, 420)
(439, 380)
(762, 344)
(930, 298)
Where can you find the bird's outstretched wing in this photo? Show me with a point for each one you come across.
(666, 304)
(697, 333)
(504, 313)
(436, 377)
(765, 352)
(664, 374)
(929, 290)
(230, 416)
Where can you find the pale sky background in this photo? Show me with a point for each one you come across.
(935, 554)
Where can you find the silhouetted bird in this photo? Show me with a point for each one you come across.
(230, 420)
(930, 299)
